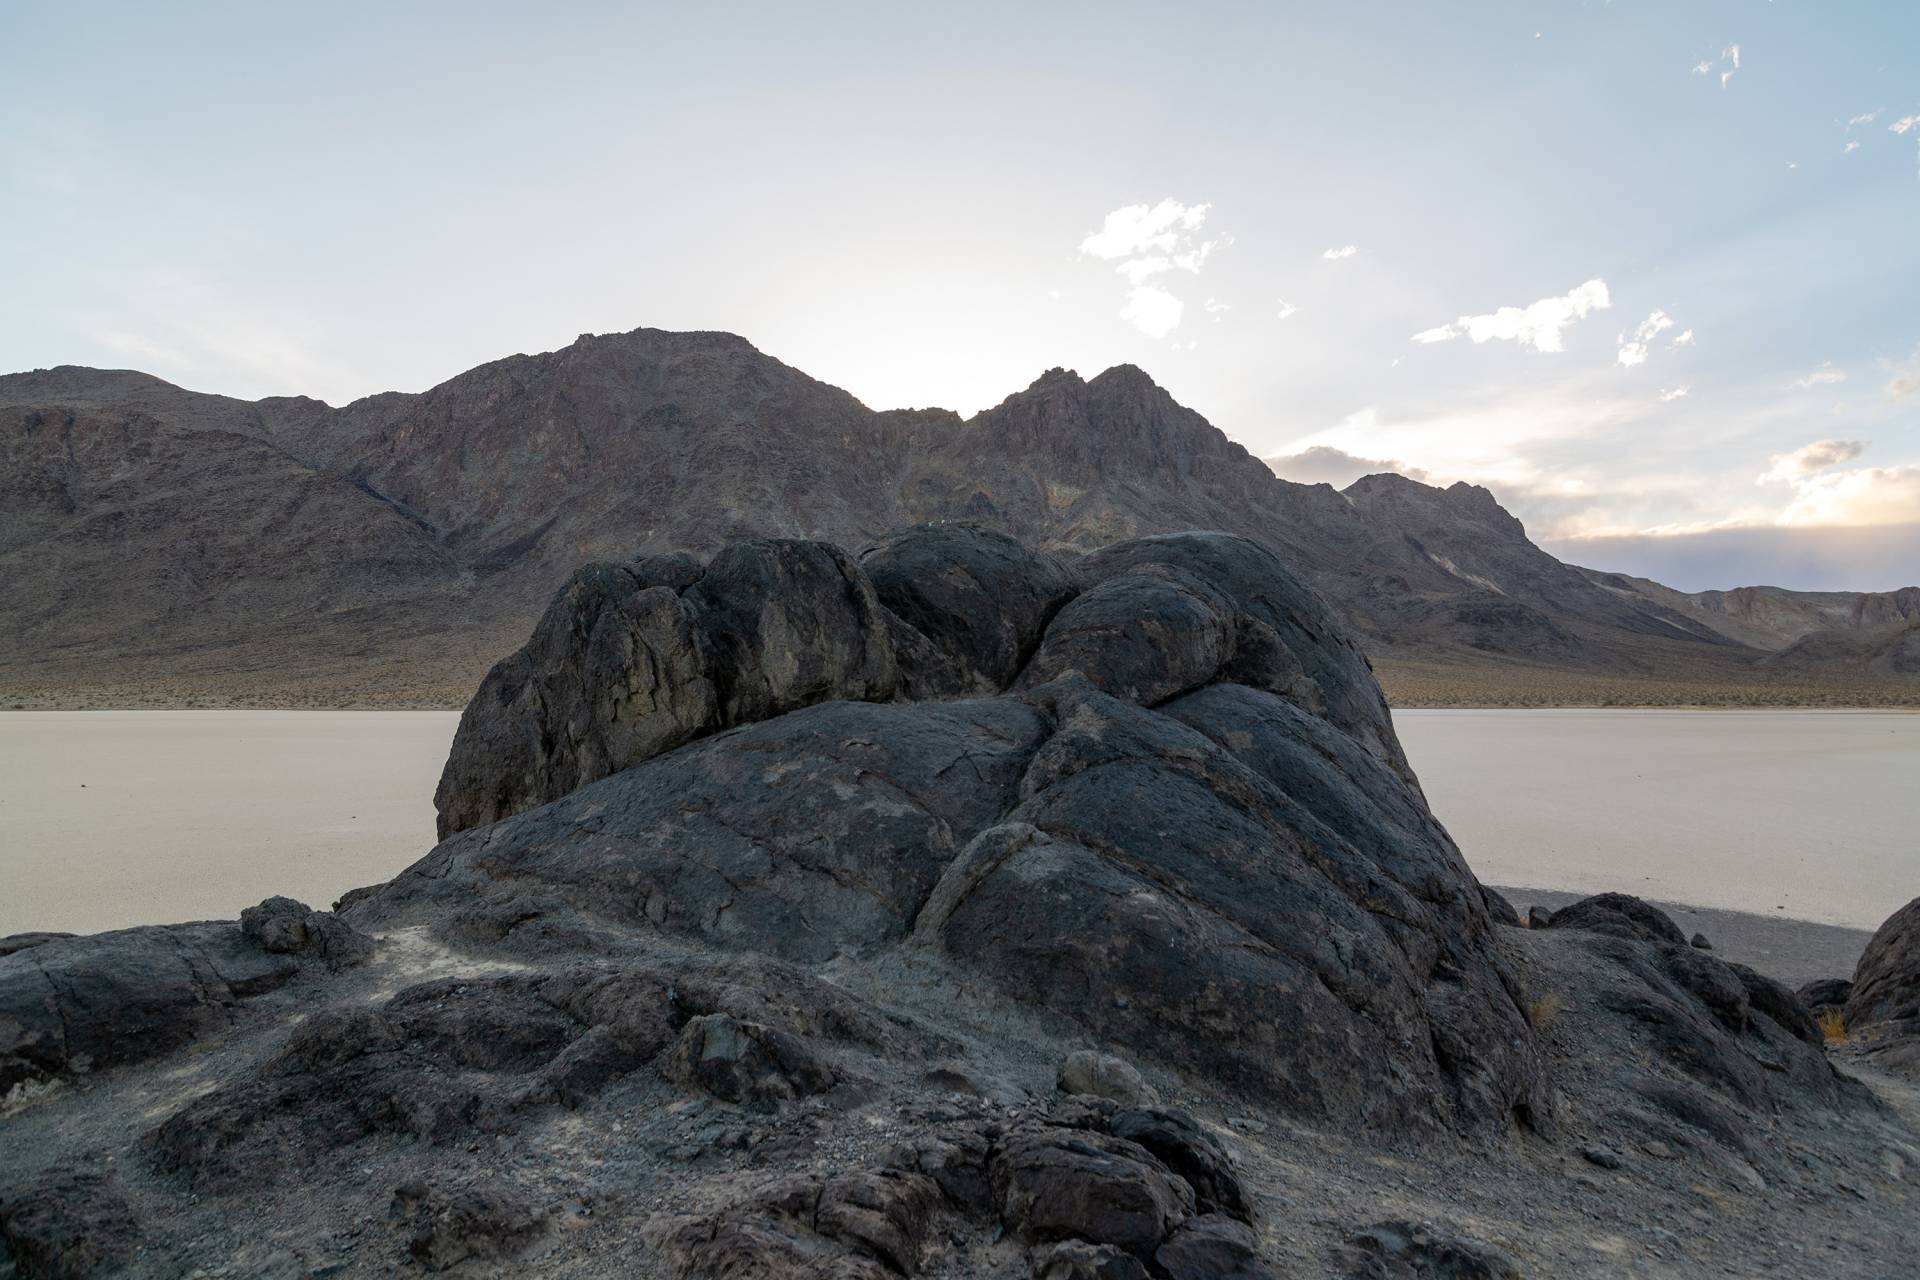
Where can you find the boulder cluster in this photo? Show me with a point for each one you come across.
(1154, 791)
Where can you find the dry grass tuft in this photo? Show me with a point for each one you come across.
(1833, 1025)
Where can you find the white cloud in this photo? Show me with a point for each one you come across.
(1674, 394)
(1288, 309)
(1810, 460)
(1825, 376)
(1148, 241)
(1344, 251)
(1684, 340)
(1864, 496)
(1216, 308)
(1152, 310)
(1905, 124)
(1703, 67)
(1635, 352)
(1849, 149)
(1144, 229)
(1866, 118)
(1140, 270)
(1538, 324)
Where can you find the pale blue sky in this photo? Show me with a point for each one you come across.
(904, 200)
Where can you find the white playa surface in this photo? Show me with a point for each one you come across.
(113, 818)
(1816, 812)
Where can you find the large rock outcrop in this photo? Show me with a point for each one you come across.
(1179, 818)
(1883, 1006)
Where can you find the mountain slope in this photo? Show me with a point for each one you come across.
(396, 546)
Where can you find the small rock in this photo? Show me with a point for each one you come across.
(1211, 1247)
(1539, 918)
(1700, 941)
(1246, 1124)
(1605, 1157)
(745, 1061)
(1078, 1260)
(1101, 1075)
(1659, 1151)
(1418, 1250)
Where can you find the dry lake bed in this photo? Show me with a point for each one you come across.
(112, 818)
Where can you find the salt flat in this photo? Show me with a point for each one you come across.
(112, 818)
(1808, 814)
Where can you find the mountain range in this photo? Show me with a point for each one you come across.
(163, 547)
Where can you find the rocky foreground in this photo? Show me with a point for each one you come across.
(951, 910)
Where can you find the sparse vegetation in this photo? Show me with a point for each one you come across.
(1833, 1025)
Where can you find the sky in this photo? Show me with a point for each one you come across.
(1649, 271)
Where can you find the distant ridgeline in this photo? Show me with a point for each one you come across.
(163, 546)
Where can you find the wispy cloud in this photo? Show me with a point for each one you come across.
(1728, 63)
(1635, 352)
(1538, 324)
(1849, 149)
(1148, 241)
(1344, 251)
(1865, 118)
(1684, 340)
(1324, 464)
(1288, 309)
(1905, 124)
(1675, 394)
(1810, 460)
(1825, 376)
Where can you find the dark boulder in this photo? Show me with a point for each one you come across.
(1078, 1260)
(617, 670)
(1419, 1251)
(1499, 908)
(745, 1061)
(1101, 1075)
(74, 1005)
(790, 623)
(1064, 1184)
(1826, 994)
(1178, 1142)
(1621, 915)
(979, 597)
(1886, 982)
(1211, 1247)
(484, 1222)
(66, 1226)
(1299, 631)
(21, 941)
(1143, 636)
(283, 926)
(816, 832)
(1237, 888)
